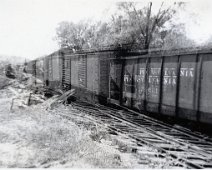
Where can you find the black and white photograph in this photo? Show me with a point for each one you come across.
(115, 84)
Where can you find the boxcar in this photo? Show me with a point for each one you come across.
(30, 67)
(88, 73)
(160, 82)
(39, 66)
(53, 64)
(169, 83)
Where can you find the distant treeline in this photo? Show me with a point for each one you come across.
(141, 27)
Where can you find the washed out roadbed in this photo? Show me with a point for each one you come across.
(37, 136)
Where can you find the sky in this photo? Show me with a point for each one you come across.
(27, 27)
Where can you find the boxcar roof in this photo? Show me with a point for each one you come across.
(127, 52)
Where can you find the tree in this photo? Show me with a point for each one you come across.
(142, 26)
(71, 35)
(131, 24)
(98, 35)
(207, 43)
(176, 38)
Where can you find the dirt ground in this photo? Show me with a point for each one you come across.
(37, 136)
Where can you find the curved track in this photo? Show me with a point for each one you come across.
(183, 145)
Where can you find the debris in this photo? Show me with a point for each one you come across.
(5, 82)
(30, 83)
(35, 99)
(48, 92)
(24, 77)
(9, 71)
(5, 85)
(26, 99)
(28, 103)
(21, 104)
(63, 98)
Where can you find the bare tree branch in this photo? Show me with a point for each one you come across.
(156, 21)
(147, 26)
(137, 18)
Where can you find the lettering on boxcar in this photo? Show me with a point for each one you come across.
(155, 71)
(134, 84)
(154, 82)
(140, 84)
(169, 71)
(153, 91)
(139, 78)
(169, 77)
(186, 72)
(126, 78)
(142, 71)
(169, 80)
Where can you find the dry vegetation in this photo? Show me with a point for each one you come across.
(36, 136)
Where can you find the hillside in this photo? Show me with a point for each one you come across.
(4, 59)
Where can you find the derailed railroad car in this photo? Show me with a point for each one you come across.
(53, 65)
(36, 68)
(172, 83)
(40, 69)
(30, 67)
(88, 73)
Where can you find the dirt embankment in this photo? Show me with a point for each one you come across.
(35, 136)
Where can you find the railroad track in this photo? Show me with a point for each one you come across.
(183, 145)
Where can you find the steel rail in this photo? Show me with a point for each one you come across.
(195, 152)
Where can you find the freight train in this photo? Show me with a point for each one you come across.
(172, 83)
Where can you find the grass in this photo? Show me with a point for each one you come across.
(36, 136)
